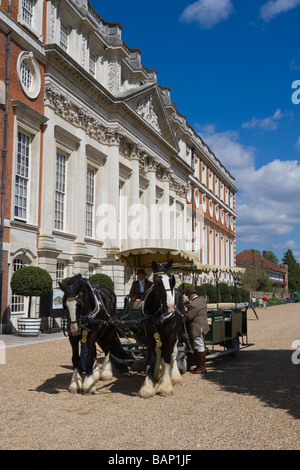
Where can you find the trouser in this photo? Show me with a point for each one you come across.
(199, 344)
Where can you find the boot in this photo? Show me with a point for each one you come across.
(200, 363)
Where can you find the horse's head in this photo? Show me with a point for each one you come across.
(72, 302)
(165, 283)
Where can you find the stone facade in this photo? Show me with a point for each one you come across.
(98, 156)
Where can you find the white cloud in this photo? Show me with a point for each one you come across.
(275, 7)
(267, 202)
(268, 123)
(207, 13)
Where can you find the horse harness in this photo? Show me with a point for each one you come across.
(85, 320)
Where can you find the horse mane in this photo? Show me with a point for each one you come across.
(73, 285)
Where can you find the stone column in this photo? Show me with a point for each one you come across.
(108, 211)
(133, 202)
(151, 202)
(165, 210)
(46, 239)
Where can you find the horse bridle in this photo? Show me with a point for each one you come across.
(90, 318)
(163, 314)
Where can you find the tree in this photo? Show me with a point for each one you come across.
(294, 271)
(272, 257)
(31, 281)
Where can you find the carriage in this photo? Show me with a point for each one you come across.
(228, 321)
(159, 328)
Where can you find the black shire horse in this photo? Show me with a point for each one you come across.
(164, 310)
(90, 313)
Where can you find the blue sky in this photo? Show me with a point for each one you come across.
(231, 65)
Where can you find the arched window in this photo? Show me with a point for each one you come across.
(17, 301)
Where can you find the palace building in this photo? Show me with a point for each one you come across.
(95, 155)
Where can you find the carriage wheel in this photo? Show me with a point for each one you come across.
(182, 364)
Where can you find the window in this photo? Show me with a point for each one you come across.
(217, 248)
(64, 36)
(30, 13)
(196, 169)
(222, 191)
(60, 191)
(203, 174)
(22, 176)
(60, 272)
(204, 203)
(90, 202)
(216, 186)
(27, 11)
(217, 211)
(26, 75)
(210, 180)
(92, 64)
(227, 196)
(197, 198)
(29, 74)
(211, 208)
(17, 301)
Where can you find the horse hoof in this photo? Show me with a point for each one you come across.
(74, 390)
(165, 390)
(146, 392)
(177, 379)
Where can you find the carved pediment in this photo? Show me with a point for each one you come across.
(149, 105)
(144, 107)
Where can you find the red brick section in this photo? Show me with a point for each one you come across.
(15, 93)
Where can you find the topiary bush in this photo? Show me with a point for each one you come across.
(101, 280)
(245, 295)
(201, 291)
(184, 286)
(31, 281)
(236, 294)
(225, 292)
(211, 292)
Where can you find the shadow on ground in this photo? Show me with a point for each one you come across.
(269, 375)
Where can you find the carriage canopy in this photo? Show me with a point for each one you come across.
(183, 260)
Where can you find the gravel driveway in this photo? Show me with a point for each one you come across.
(248, 402)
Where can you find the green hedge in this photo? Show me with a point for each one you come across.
(226, 293)
(211, 292)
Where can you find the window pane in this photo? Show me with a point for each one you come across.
(27, 11)
(22, 174)
(90, 199)
(17, 301)
(64, 36)
(60, 191)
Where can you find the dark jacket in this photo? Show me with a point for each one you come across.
(135, 292)
(197, 316)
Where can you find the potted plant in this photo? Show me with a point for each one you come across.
(30, 281)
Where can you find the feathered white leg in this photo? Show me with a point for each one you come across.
(106, 372)
(175, 374)
(76, 382)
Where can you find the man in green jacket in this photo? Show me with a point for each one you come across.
(196, 313)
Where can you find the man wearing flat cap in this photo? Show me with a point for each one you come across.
(196, 313)
(139, 288)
